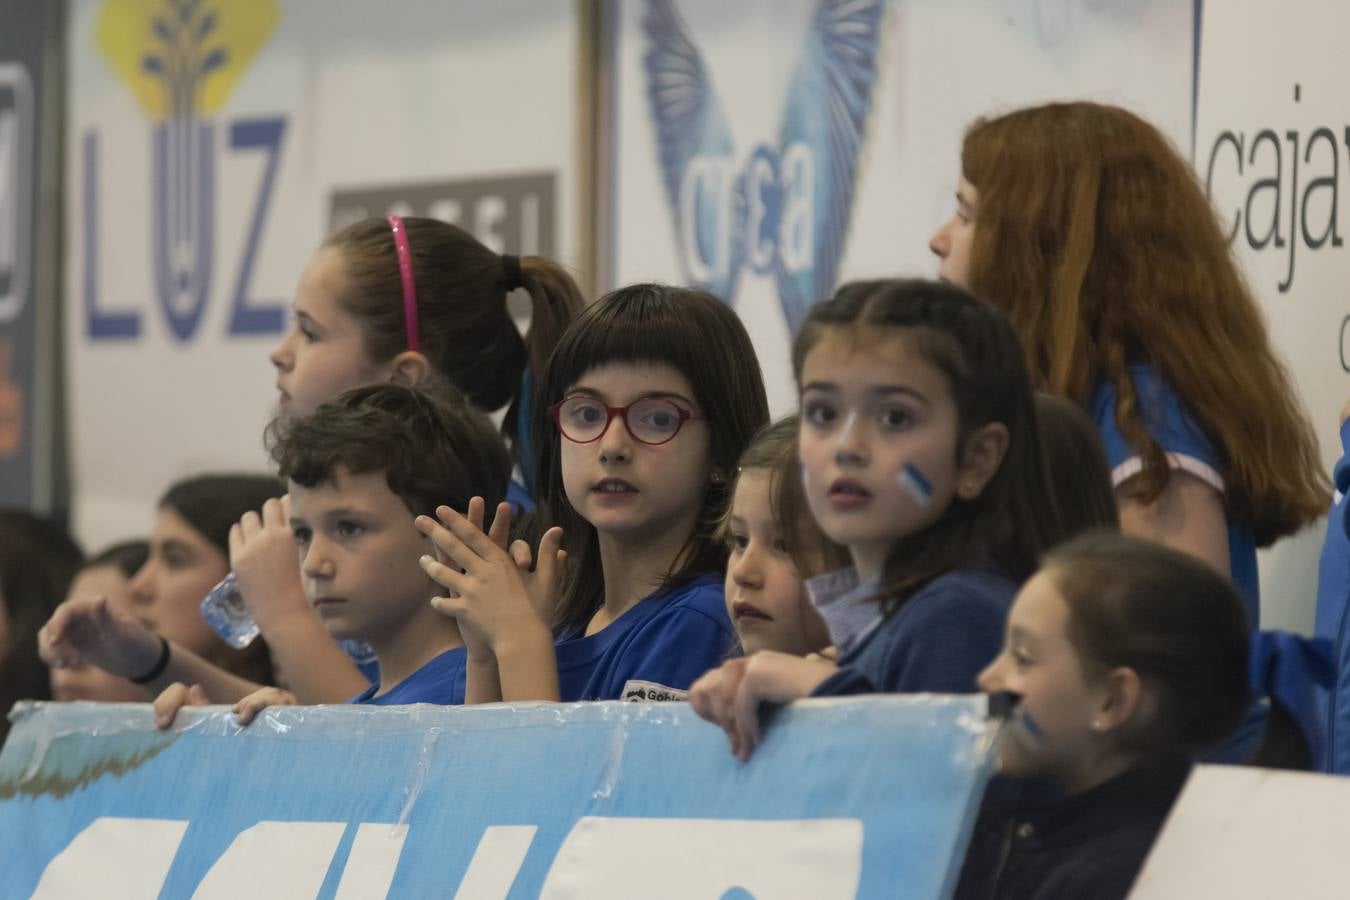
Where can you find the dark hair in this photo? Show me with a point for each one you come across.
(699, 336)
(1077, 473)
(432, 446)
(973, 345)
(213, 503)
(127, 557)
(465, 329)
(774, 448)
(38, 560)
(1182, 627)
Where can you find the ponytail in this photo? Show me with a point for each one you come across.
(555, 300)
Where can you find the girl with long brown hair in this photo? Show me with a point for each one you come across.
(1091, 232)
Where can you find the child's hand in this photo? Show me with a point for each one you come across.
(475, 644)
(266, 564)
(85, 630)
(487, 591)
(732, 699)
(247, 709)
(175, 697)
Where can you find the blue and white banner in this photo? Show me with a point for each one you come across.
(210, 146)
(856, 798)
(770, 149)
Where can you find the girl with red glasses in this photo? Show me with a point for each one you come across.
(653, 393)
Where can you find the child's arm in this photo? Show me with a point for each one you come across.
(266, 566)
(497, 606)
(732, 695)
(87, 630)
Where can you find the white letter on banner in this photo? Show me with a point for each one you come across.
(371, 864)
(116, 859)
(496, 862)
(273, 861)
(610, 859)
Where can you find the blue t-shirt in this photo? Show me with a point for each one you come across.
(1188, 450)
(439, 681)
(655, 651)
(938, 641)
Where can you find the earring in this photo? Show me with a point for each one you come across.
(1096, 724)
(716, 478)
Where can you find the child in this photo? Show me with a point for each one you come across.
(164, 639)
(108, 575)
(363, 317)
(920, 454)
(1130, 660)
(653, 394)
(1084, 225)
(359, 469)
(773, 543)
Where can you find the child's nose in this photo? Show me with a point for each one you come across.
(745, 570)
(991, 680)
(281, 354)
(615, 443)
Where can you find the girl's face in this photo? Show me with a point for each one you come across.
(166, 594)
(1061, 728)
(765, 598)
(623, 486)
(951, 243)
(325, 352)
(878, 423)
(90, 682)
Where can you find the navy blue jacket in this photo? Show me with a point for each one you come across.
(1030, 845)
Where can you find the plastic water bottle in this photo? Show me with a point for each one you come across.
(224, 610)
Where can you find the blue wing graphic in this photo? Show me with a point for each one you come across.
(703, 184)
(828, 105)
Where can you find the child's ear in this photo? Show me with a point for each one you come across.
(981, 456)
(1123, 699)
(411, 368)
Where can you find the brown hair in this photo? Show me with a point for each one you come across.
(1096, 238)
(432, 446)
(774, 448)
(972, 344)
(704, 340)
(38, 559)
(465, 329)
(1181, 627)
(1077, 474)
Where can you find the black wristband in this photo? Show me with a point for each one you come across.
(159, 667)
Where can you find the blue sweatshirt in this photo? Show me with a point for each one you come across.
(1333, 611)
(938, 641)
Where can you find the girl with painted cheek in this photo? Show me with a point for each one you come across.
(773, 544)
(653, 393)
(1130, 660)
(920, 455)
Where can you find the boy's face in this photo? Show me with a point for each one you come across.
(358, 555)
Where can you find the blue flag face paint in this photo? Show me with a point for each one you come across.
(916, 485)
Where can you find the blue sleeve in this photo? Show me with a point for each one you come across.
(1164, 417)
(673, 649)
(845, 683)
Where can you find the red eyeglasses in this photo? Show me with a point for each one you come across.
(583, 419)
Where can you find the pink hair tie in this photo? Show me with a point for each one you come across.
(406, 272)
